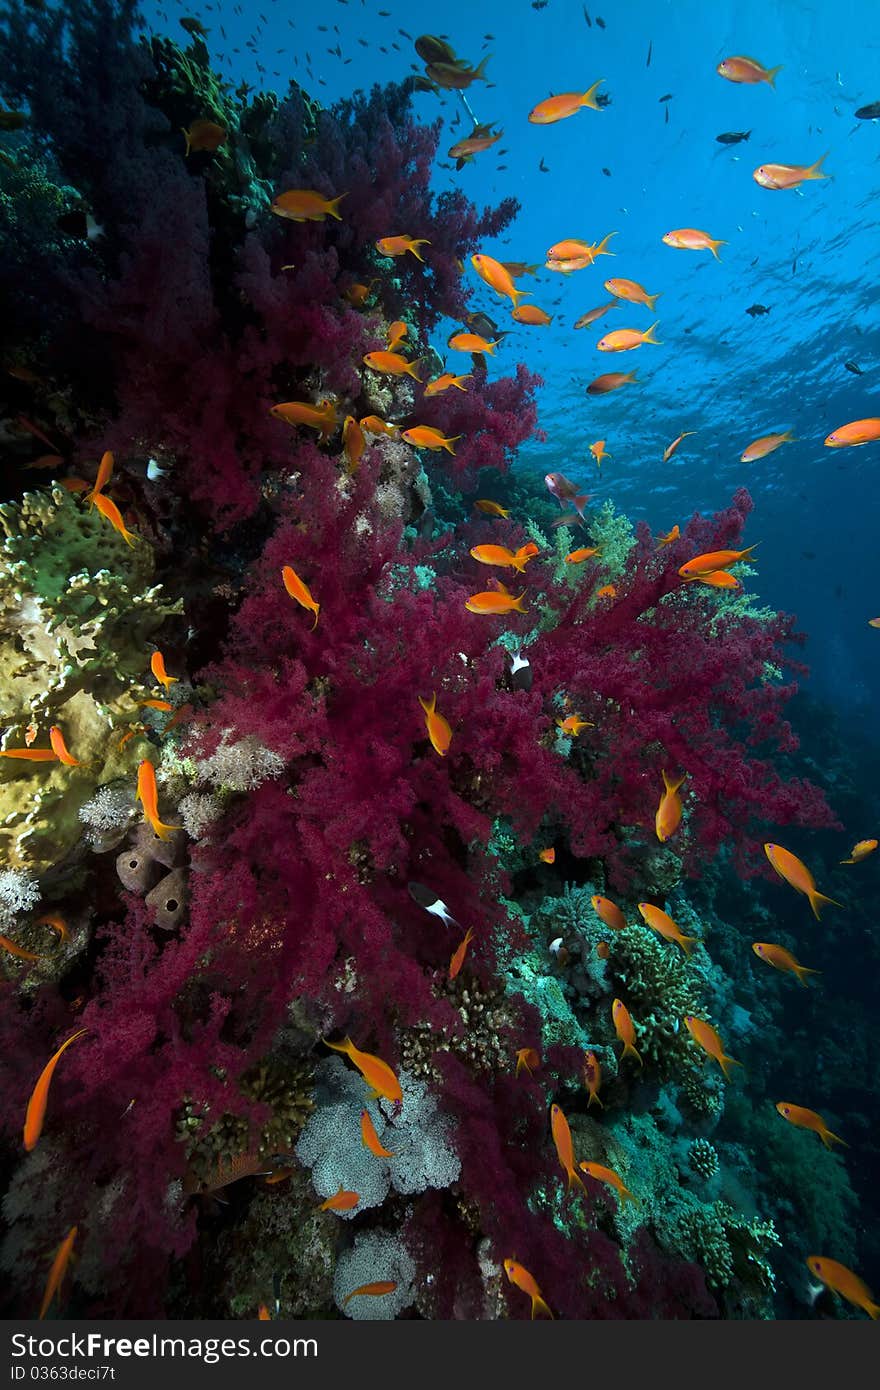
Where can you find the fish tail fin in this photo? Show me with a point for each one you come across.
(480, 70)
(747, 553)
(345, 1046)
(410, 367)
(595, 1098)
(581, 501)
(815, 170)
(847, 861)
(872, 1309)
(725, 1062)
(826, 1136)
(651, 299)
(429, 706)
(518, 603)
(629, 1048)
(688, 943)
(539, 1305)
(186, 138)
(670, 785)
(803, 970)
(771, 74)
(633, 375)
(816, 898)
(649, 336)
(518, 295)
(457, 380)
(317, 611)
(163, 830)
(589, 99)
(490, 347)
(420, 241)
(600, 249)
(448, 443)
(333, 206)
(714, 247)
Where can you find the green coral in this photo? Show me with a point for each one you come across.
(77, 616)
(659, 985)
(613, 533)
(733, 1251)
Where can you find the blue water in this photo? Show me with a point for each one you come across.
(811, 255)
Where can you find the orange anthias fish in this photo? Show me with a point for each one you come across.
(632, 292)
(485, 504)
(625, 1030)
(857, 432)
(704, 1034)
(531, 314)
(399, 245)
(472, 342)
(503, 557)
(371, 1138)
(567, 104)
(14, 950)
(464, 150)
(798, 876)
(625, 339)
(391, 364)
(56, 738)
(496, 601)
(397, 332)
(547, 856)
(612, 1179)
(564, 1147)
(377, 1074)
(51, 919)
(353, 443)
(839, 1279)
(374, 1290)
(164, 705)
(148, 795)
(585, 552)
(780, 959)
(572, 725)
(444, 381)
(714, 560)
(692, 239)
(671, 537)
(802, 1118)
(760, 448)
(860, 850)
(105, 468)
(592, 1072)
(668, 817)
(57, 1272)
(599, 452)
(779, 176)
(300, 591)
(527, 1058)
(321, 417)
(457, 960)
(609, 912)
(358, 294)
(36, 1109)
(305, 205)
(157, 666)
(519, 1275)
(31, 755)
(573, 249)
(438, 728)
(425, 437)
(203, 135)
(492, 272)
(108, 508)
(661, 922)
(742, 69)
(672, 448)
(593, 314)
(374, 425)
(611, 381)
(263, 1314)
(718, 579)
(342, 1201)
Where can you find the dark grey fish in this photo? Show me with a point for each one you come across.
(854, 368)
(667, 96)
(430, 902)
(869, 113)
(733, 137)
(757, 309)
(520, 672)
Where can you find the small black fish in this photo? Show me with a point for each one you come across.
(666, 115)
(869, 113)
(854, 368)
(540, 4)
(607, 173)
(650, 51)
(808, 554)
(603, 99)
(543, 167)
(587, 18)
(666, 97)
(600, 21)
(757, 309)
(733, 137)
